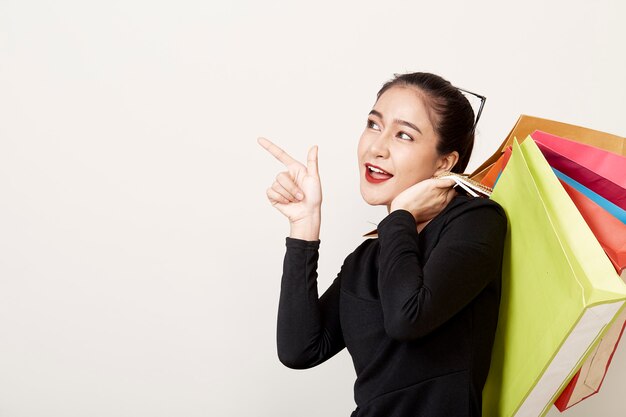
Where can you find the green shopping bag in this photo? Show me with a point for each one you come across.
(559, 290)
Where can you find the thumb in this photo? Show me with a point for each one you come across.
(311, 162)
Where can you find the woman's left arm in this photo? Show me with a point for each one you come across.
(417, 298)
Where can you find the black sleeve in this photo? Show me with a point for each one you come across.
(309, 331)
(416, 298)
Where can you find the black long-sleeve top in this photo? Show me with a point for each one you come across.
(417, 311)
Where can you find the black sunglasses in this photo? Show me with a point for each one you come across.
(482, 104)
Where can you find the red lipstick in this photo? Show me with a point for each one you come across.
(375, 177)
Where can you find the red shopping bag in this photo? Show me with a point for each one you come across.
(610, 232)
(609, 185)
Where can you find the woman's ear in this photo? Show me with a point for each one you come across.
(447, 162)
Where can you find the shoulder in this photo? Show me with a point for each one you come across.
(473, 218)
(476, 207)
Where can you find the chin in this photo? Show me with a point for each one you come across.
(374, 200)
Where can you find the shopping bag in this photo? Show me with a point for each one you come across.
(615, 211)
(606, 227)
(603, 164)
(608, 230)
(614, 192)
(589, 378)
(526, 125)
(491, 177)
(611, 234)
(605, 173)
(600, 161)
(559, 290)
(602, 217)
(493, 173)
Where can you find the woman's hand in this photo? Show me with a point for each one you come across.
(425, 199)
(297, 192)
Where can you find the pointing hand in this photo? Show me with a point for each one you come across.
(296, 192)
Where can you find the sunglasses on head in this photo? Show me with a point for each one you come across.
(482, 104)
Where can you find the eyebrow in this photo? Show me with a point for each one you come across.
(398, 121)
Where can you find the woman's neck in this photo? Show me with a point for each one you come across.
(421, 226)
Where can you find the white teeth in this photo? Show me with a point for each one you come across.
(380, 171)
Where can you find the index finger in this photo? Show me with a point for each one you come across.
(445, 182)
(278, 153)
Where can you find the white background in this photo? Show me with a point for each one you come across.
(139, 259)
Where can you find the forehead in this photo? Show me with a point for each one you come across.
(405, 103)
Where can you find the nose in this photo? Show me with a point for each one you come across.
(379, 146)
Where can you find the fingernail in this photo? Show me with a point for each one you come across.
(299, 196)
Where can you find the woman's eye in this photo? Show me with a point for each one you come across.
(404, 136)
(372, 124)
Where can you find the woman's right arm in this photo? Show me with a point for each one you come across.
(308, 328)
(309, 331)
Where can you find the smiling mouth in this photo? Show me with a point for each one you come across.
(375, 174)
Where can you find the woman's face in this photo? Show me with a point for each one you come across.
(399, 140)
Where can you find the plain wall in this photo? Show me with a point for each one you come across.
(140, 261)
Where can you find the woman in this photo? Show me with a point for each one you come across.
(417, 307)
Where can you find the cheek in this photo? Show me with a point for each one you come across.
(414, 167)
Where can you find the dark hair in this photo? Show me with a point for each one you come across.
(453, 117)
